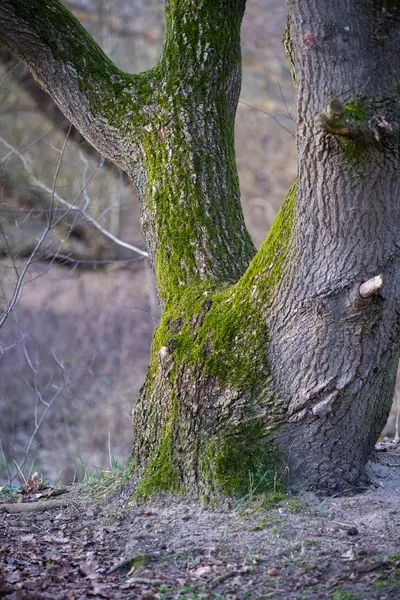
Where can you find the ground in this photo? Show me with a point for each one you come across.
(87, 541)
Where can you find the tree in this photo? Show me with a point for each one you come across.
(274, 363)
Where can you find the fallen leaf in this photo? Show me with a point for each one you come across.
(202, 571)
(349, 554)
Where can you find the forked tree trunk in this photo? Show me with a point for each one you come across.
(269, 365)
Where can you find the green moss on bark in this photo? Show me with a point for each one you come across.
(354, 149)
(355, 110)
(265, 270)
(241, 461)
(349, 124)
(223, 329)
(216, 293)
(117, 96)
(199, 33)
(218, 334)
(193, 194)
(161, 474)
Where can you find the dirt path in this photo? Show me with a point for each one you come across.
(285, 547)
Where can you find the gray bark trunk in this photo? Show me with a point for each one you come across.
(335, 353)
(271, 365)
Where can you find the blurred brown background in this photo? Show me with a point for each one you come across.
(73, 354)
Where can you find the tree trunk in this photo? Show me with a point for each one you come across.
(335, 353)
(272, 365)
(290, 371)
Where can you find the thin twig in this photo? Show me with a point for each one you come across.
(81, 261)
(9, 74)
(17, 153)
(289, 116)
(21, 276)
(20, 282)
(70, 206)
(264, 112)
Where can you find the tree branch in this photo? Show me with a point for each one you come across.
(71, 207)
(72, 68)
(171, 128)
(46, 106)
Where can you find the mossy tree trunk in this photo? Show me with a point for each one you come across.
(265, 365)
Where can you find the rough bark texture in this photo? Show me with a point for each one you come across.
(266, 365)
(65, 60)
(335, 354)
(44, 104)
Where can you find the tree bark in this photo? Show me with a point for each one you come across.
(272, 365)
(335, 353)
(44, 104)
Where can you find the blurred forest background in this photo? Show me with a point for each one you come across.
(73, 352)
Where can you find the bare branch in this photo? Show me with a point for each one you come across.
(11, 155)
(10, 72)
(273, 117)
(20, 282)
(71, 206)
(21, 276)
(81, 261)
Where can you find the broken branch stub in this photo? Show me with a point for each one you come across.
(371, 287)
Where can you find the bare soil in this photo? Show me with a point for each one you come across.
(87, 541)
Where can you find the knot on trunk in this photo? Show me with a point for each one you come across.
(349, 120)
